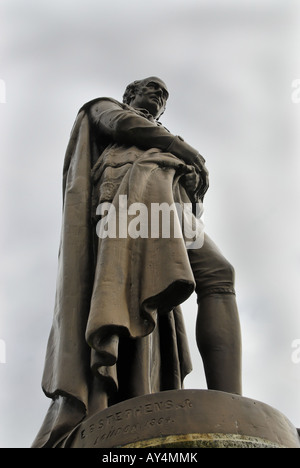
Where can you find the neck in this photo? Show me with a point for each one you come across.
(145, 113)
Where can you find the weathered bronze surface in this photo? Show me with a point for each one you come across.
(118, 329)
(187, 418)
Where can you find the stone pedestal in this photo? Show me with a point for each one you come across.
(186, 419)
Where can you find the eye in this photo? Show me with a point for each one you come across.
(152, 85)
(156, 86)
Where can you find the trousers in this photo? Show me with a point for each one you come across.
(213, 273)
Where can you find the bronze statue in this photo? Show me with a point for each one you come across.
(118, 330)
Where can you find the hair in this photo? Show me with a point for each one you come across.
(131, 91)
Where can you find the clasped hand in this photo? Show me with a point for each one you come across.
(196, 181)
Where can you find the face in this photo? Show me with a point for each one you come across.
(151, 95)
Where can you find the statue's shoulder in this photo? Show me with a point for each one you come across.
(101, 100)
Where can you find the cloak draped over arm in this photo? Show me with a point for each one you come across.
(111, 290)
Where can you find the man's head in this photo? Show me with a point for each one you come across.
(150, 93)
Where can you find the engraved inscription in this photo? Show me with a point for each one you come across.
(131, 429)
(134, 419)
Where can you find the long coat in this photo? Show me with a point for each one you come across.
(117, 314)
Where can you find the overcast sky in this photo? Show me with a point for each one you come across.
(229, 66)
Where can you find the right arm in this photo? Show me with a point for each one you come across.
(124, 126)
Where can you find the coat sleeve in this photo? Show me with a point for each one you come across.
(124, 126)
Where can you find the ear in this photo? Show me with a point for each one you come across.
(134, 93)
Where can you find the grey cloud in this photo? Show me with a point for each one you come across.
(229, 70)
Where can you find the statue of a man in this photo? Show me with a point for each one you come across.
(118, 330)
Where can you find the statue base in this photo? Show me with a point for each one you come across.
(186, 419)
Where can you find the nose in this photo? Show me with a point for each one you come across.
(159, 92)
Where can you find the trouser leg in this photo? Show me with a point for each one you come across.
(217, 329)
(219, 342)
